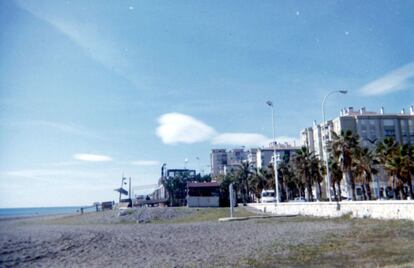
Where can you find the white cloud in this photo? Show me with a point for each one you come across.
(180, 128)
(245, 139)
(175, 128)
(396, 80)
(92, 157)
(145, 163)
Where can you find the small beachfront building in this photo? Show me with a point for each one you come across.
(203, 194)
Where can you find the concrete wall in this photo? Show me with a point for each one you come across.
(357, 209)
(203, 201)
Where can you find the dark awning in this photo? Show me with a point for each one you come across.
(202, 184)
(122, 191)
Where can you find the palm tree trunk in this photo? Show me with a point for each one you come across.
(334, 191)
(309, 188)
(395, 189)
(319, 191)
(363, 192)
(351, 179)
(400, 192)
(246, 193)
(287, 192)
(368, 191)
(339, 191)
(301, 190)
(410, 188)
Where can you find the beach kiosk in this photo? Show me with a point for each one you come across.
(203, 194)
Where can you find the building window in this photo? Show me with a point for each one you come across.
(411, 129)
(389, 132)
(389, 128)
(389, 123)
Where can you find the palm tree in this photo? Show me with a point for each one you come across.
(289, 180)
(296, 181)
(364, 167)
(400, 166)
(258, 182)
(342, 147)
(386, 152)
(243, 175)
(283, 177)
(317, 171)
(225, 181)
(270, 177)
(302, 162)
(386, 148)
(395, 167)
(336, 176)
(408, 163)
(169, 187)
(175, 187)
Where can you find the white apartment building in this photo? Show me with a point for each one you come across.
(224, 161)
(264, 156)
(370, 126)
(218, 161)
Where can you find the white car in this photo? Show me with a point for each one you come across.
(268, 196)
(298, 199)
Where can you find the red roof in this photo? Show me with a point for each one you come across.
(202, 184)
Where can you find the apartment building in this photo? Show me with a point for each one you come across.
(370, 126)
(224, 161)
(218, 160)
(284, 152)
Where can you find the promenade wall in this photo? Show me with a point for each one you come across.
(357, 209)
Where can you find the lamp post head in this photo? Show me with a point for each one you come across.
(269, 103)
(343, 91)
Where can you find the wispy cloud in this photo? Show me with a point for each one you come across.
(71, 129)
(180, 128)
(88, 37)
(145, 163)
(396, 80)
(175, 128)
(50, 175)
(92, 157)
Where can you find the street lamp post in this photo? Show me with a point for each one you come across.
(274, 150)
(198, 163)
(325, 153)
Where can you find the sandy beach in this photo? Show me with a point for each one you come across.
(176, 238)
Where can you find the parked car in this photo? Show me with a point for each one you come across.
(298, 199)
(268, 196)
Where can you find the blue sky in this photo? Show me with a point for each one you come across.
(91, 89)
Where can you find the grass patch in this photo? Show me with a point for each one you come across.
(207, 214)
(368, 243)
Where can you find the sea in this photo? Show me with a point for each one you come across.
(41, 211)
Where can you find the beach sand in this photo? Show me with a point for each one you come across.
(169, 238)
